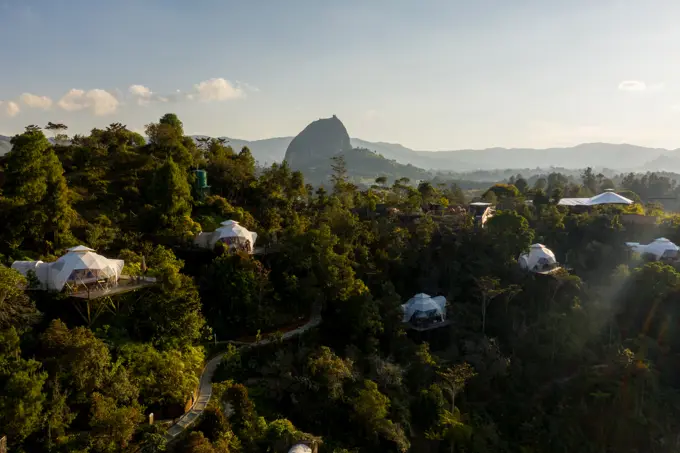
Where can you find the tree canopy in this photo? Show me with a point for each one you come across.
(581, 358)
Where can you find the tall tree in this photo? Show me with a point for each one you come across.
(58, 129)
(171, 199)
(40, 209)
(17, 310)
(21, 384)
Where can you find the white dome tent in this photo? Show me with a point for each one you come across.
(423, 311)
(609, 197)
(300, 448)
(80, 266)
(539, 259)
(660, 248)
(232, 234)
(606, 197)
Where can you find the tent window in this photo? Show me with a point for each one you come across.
(421, 318)
(670, 254)
(237, 242)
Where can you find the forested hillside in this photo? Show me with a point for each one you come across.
(584, 359)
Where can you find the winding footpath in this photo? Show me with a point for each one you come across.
(205, 385)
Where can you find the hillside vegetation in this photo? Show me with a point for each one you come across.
(584, 359)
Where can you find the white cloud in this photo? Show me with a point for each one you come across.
(141, 93)
(35, 101)
(632, 85)
(140, 90)
(640, 86)
(218, 90)
(100, 102)
(11, 108)
(145, 96)
(73, 100)
(247, 86)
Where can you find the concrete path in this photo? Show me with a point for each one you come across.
(205, 387)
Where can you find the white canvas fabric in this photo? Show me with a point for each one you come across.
(229, 229)
(574, 202)
(539, 258)
(300, 448)
(606, 197)
(79, 265)
(609, 197)
(660, 248)
(422, 304)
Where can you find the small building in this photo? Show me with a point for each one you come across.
(231, 234)
(539, 259)
(660, 249)
(605, 198)
(423, 312)
(79, 268)
(481, 212)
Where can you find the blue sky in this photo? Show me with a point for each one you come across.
(430, 74)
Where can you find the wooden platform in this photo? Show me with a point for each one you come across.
(124, 285)
(548, 272)
(435, 325)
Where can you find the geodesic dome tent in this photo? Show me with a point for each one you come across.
(422, 307)
(539, 259)
(609, 197)
(660, 248)
(300, 448)
(79, 266)
(606, 197)
(231, 234)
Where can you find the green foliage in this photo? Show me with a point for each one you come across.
(17, 310)
(502, 191)
(579, 360)
(170, 196)
(21, 390)
(36, 196)
(510, 233)
(164, 378)
(237, 294)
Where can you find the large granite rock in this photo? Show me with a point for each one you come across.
(317, 143)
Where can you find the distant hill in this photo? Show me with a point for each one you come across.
(5, 146)
(597, 155)
(669, 162)
(312, 149)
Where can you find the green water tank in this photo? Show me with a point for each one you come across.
(201, 179)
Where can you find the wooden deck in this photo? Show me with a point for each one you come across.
(124, 285)
(435, 325)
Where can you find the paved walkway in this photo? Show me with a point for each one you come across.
(205, 387)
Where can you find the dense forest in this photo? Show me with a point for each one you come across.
(585, 359)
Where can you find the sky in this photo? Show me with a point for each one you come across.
(429, 74)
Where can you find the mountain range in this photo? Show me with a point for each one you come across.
(622, 157)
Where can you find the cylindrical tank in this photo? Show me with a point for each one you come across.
(201, 179)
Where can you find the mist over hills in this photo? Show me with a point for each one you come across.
(622, 157)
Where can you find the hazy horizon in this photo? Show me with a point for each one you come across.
(433, 75)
